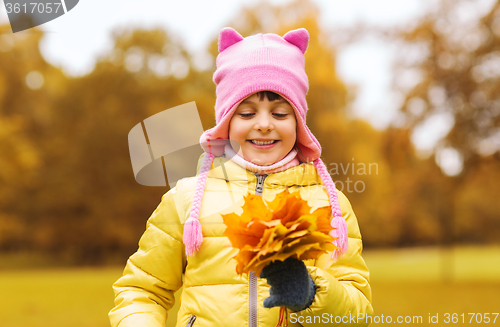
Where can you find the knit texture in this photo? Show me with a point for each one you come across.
(291, 285)
(262, 62)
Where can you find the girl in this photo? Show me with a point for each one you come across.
(261, 107)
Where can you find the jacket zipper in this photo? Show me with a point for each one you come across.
(252, 282)
(191, 321)
(252, 300)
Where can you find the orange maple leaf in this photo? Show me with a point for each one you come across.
(283, 228)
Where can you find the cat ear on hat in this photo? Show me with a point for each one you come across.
(228, 37)
(299, 38)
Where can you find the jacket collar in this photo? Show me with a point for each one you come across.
(304, 174)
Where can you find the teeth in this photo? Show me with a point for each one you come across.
(262, 142)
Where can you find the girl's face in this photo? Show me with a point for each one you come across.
(265, 130)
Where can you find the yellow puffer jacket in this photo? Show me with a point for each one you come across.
(214, 295)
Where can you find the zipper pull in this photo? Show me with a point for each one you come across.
(260, 184)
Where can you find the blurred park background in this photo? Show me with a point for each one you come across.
(71, 212)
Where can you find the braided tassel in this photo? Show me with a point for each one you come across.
(340, 231)
(340, 234)
(193, 236)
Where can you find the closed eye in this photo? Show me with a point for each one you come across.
(249, 115)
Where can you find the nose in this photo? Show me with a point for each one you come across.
(263, 124)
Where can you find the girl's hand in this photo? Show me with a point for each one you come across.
(291, 285)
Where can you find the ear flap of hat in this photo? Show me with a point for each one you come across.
(228, 37)
(299, 38)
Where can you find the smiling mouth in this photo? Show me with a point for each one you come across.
(263, 142)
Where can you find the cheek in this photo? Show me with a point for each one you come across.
(235, 130)
(292, 132)
(293, 138)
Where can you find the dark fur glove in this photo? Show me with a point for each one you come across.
(291, 285)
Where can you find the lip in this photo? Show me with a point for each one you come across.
(266, 146)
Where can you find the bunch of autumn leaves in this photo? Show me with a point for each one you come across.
(283, 228)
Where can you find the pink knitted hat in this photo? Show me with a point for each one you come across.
(261, 62)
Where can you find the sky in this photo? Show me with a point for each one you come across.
(74, 40)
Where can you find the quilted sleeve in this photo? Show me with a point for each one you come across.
(145, 292)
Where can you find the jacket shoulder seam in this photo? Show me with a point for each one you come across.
(151, 275)
(165, 232)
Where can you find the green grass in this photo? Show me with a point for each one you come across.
(404, 282)
(424, 298)
(423, 281)
(433, 264)
(61, 297)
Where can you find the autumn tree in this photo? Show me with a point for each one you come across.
(452, 54)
